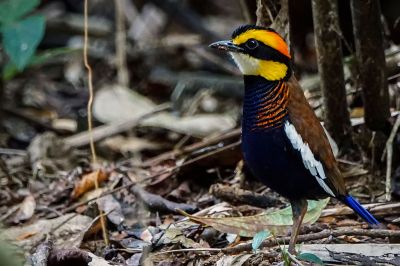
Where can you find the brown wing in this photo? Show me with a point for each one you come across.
(308, 126)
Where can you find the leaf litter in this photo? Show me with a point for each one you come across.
(153, 162)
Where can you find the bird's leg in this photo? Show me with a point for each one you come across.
(299, 209)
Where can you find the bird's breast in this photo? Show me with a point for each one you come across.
(265, 106)
(265, 151)
(264, 114)
(274, 160)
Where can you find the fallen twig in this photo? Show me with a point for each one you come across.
(375, 208)
(363, 259)
(191, 148)
(294, 259)
(236, 195)
(13, 152)
(101, 132)
(389, 149)
(216, 250)
(374, 233)
(369, 250)
(157, 203)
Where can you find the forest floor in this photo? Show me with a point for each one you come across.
(171, 185)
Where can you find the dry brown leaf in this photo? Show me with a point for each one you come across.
(88, 183)
(69, 233)
(93, 229)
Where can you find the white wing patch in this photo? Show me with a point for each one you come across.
(310, 163)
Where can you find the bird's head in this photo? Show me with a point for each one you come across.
(258, 51)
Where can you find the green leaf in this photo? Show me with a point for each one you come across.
(310, 257)
(21, 39)
(12, 10)
(277, 222)
(10, 254)
(259, 238)
(10, 69)
(285, 216)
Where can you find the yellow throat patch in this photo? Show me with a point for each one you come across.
(272, 70)
(269, 70)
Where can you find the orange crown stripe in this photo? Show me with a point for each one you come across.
(269, 38)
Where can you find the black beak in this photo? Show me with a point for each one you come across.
(227, 46)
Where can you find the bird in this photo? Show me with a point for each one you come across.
(283, 142)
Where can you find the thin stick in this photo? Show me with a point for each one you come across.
(89, 111)
(389, 148)
(373, 233)
(90, 82)
(235, 133)
(375, 208)
(295, 260)
(217, 250)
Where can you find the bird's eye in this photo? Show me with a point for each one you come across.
(252, 44)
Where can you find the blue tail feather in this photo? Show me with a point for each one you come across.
(360, 210)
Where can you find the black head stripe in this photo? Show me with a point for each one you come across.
(245, 28)
(266, 52)
(271, 29)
